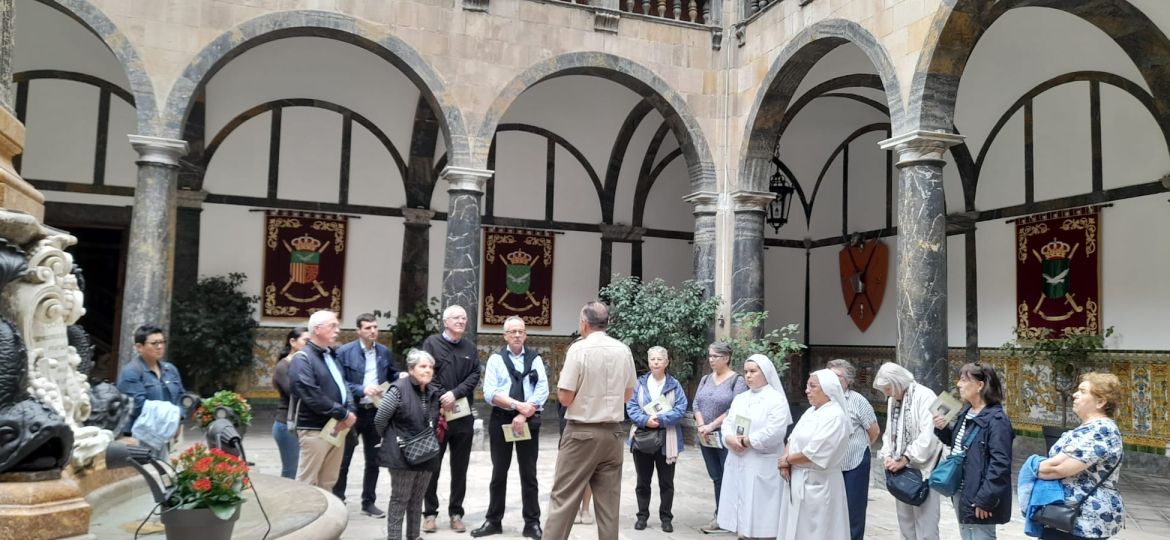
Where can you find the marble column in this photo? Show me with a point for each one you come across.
(462, 257)
(416, 248)
(146, 292)
(706, 205)
(922, 254)
(747, 277)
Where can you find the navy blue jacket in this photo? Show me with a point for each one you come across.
(987, 469)
(354, 361)
(315, 395)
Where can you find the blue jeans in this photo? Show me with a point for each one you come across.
(714, 458)
(972, 531)
(286, 442)
(857, 495)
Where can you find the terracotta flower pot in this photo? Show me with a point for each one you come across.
(198, 524)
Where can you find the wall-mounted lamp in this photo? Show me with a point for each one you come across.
(784, 190)
(721, 321)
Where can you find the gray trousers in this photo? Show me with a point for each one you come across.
(406, 498)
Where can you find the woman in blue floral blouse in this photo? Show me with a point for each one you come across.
(1084, 455)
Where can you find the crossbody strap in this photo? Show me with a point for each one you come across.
(1099, 482)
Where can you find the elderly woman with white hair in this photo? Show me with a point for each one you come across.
(815, 504)
(753, 431)
(909, 441)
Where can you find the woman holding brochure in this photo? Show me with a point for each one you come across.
(712, 399)
(754, 436)
(657, 409)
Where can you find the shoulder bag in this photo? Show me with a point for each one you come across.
(1063, 518)
(947, 477)
(420, 447)
(907, 486)
(647, 440)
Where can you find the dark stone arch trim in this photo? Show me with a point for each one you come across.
(879, 126)
(1111, 79)
(617, 154)
(632, 75)
(141, 85)
(537, 130)
(54, 74)
(962, 24)
(330, 25)
(645, 177)
(280, 104)
(856, 80)
(771, 104)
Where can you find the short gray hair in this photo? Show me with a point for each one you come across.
(846, 369)
(596, 315)
(318, 318)
(893, 377)
(658, 349)
(721, 348)
(511, 318)
(414, 356)
(450, 311)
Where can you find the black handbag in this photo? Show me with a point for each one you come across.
(1063, 518)
(420, 447)
(907, 486)
(649, 441)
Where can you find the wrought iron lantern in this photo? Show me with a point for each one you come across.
(784, 190)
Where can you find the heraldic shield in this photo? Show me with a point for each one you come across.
(517, 276)
(864, 269)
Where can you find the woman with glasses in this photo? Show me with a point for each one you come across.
(983, 431)
(712, 400)
(149, 378)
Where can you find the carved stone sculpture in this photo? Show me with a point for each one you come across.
(32, 436)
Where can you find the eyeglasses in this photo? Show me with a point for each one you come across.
(515, 332)
(715, 356)
(158, 343)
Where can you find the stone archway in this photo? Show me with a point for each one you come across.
(286, 24)
(641, 80)
(141, 85)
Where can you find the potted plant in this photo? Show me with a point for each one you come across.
(240, 411)
(1067, 355)
(207, 495)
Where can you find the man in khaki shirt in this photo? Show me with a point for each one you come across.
(595, 383)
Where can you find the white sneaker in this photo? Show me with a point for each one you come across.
(586, 517)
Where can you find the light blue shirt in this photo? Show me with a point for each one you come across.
(332, 365)
(497, 380)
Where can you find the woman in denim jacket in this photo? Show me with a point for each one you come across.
(670, 403)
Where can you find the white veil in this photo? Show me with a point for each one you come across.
(773, 378)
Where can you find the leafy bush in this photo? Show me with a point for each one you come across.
(212, 333)
(777, 344)
(205, 412)
(411, 328)
(643, 315)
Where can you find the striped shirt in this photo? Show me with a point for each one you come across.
(861, 416)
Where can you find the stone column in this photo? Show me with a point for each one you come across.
(706, 205)
(747, 277)
(146, 293)
(416, 248)
(462, 257)
(922, 254)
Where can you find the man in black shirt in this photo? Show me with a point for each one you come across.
(456, 375)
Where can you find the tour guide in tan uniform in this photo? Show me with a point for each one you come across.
(597, 380)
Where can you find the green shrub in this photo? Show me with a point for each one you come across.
(212, 333)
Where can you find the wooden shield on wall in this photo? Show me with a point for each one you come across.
(864, 268)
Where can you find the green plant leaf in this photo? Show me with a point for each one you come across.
(223, 511)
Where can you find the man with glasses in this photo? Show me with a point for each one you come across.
(319, 394)
(516, 385)
(148, 377)
(456, 376)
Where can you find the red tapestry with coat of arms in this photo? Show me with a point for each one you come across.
(304, 263)
(517, 276)
(1058, 273)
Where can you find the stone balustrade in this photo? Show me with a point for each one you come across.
(692, 11)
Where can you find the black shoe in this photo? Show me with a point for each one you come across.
(667, 527)
(533, 531)
(640, 525)
(488, 528)
(373, 511)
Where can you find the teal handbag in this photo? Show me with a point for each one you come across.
(947, 477)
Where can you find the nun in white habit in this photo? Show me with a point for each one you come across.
(814, 503)
(753, 433)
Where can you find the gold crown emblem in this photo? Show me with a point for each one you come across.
(519, 257)
(1055, 250)
(305, 243)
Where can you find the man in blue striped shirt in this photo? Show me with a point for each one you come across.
(863, 431)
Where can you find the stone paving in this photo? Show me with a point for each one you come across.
(1147, 499)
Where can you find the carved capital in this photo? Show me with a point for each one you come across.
(158, 150)
(418, 216)
(465, 178)
(918, 146)
(751, 201)
(705, 202)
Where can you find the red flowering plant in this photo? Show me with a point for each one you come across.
(205, 412)
(211, 479)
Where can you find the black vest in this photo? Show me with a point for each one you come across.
(516, 390)
(415, 413)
